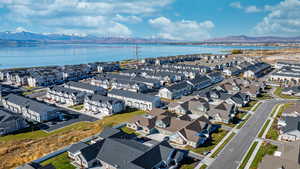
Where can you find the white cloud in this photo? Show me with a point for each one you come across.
(21, 29)
(128, 19)
(283, 18)
(181, 30)
(252, 9)
(85, 16)
(236, 5)
(247, 9)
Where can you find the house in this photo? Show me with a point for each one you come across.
(143, 123)
(232, 71)
(129, 85)
(192, 133)
(175, 91)
(101, 81)
(200, 82)
(223, 112)
(85, 87)
(96, 104)
(215, 77)
(30, 109)
(215, 96)
(65, 95)
(289, 128)
(239, 99)
(193, 106)
(121, 152)
(136, 100)
(294, 91)
(11, 122)
(286, 75)
(257, 70)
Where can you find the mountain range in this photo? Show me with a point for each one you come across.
(36, 38)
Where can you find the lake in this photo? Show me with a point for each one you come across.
(62, 54)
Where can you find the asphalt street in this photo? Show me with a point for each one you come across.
(232, 154)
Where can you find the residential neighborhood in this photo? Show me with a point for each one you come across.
(183, 108)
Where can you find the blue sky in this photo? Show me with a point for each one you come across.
(172, 19)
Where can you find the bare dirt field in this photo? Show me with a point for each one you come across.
(272, 56)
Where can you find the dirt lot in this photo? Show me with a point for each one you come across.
(21, 148)
(271, 56)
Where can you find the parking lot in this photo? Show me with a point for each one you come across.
(71, 118)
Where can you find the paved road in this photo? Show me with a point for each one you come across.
(231, 156)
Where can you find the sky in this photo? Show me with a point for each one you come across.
(168, 19)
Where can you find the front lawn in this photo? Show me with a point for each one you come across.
(223, 145)
(77, 107)
(265, 149)
(249, 105)
(264, 96)
(278, 92)
(61, 161)
(210, 144)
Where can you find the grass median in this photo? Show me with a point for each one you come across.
(243, 122)
(248, 155)
(264, 128)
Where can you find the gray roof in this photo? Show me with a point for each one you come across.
(109, 132)
(133, 95)
(6, 116)
(65, 90)
(103, 99)
(178, 86)
(31, 104)
(292, 124)
(85, 86)
(77, 147)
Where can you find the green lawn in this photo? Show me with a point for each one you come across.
(210, 144)
(107, 121)
(249, 105)
(264, 96)
(60, 162)
(204, 166)
(278, 93)
(77, 107)
(248, 155)
(264, 149)
(264, 128)
(282, 109)
(223, 145)
(129, 131)
(243, 122)
(274, 110)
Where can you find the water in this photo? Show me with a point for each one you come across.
(62, 54)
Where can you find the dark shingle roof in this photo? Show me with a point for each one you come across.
(133, 95)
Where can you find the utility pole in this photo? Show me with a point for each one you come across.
(137, 52)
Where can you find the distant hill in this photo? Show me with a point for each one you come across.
(248, 39)
(36, 38)
(29, 37)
